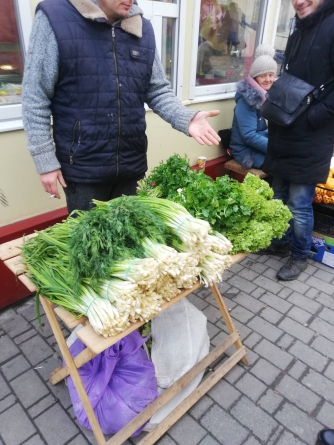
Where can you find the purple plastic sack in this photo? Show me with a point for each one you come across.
(120, 382)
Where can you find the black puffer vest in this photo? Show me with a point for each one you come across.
(98, 104)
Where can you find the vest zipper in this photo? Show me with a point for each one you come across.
(118, 97)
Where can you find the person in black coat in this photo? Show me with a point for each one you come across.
(298, 156)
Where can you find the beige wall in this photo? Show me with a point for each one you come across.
(22, 188)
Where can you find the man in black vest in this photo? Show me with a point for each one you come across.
(92, 66)
(299, 155)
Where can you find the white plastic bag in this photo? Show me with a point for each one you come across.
(179, 341)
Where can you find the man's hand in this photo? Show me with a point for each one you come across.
(49, 182)
(201, 130)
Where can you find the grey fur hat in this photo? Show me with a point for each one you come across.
(263, 61)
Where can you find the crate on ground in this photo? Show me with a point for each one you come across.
(322, 249)
(324, 219)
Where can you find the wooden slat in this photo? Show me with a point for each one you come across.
(120, 437)
(27, 282)
(97, 343)
(152, 437)
(238, 257)
(16, 265)
(70, 321)
(63, 371)
(12, 248)
(227, 318)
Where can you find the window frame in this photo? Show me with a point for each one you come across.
(155, 11)
(11, 114)
(207, 93)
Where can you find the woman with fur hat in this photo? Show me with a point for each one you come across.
(249, 138)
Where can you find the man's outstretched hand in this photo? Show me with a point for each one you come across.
(50, 182)
(200, 129)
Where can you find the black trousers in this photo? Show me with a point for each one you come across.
(79, 196)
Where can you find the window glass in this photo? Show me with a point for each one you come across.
(285, 26)
(168, 47)
(227, 35)
(11, 63)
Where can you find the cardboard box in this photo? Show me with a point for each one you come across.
(322, 249)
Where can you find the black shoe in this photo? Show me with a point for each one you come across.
(325, 437)
(292, 269)
(282, 250)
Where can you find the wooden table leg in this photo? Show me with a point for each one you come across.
(227, 318)
(73, 371)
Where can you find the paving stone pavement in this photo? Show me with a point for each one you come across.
(284, 397)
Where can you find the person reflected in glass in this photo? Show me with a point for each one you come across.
(249, 136)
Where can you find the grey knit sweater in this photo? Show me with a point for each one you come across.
(40, 78)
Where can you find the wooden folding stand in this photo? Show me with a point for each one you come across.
(95, 344)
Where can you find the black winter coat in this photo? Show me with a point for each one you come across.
(301, 153)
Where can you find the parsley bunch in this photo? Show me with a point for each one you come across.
(245, 213)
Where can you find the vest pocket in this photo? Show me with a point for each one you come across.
(139, 54)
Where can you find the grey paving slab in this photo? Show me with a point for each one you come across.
(289, 439)
(308, 355)
(265, 329)
(225, 429)
(252, 441)
(8, 349)
(299, 423)
(303, 302)
(324, 346)
(326, 415)
(329, 372)
(15, 426)
(254, 418)
(271, 315)
(273, 354)
(224, 394)
(56, 426)
(25, 336)
(28, 309)
(252, 340)
(35, 440)
(36, 350)
(208, 440)
(323, 328)
(6, 402)
(251, 386)
(320, 384)
(29, 388)
(296, 329)
(285, 341)
(166, 440)
(298, 369)
(321, 285)
(265, 371)
(275, 302)
(298, 394)
(201, 406)
(14, 324)
(15, 367)
(270, 401)
(42, 405)
(4, 388)
(299, 315)
(187, 431)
